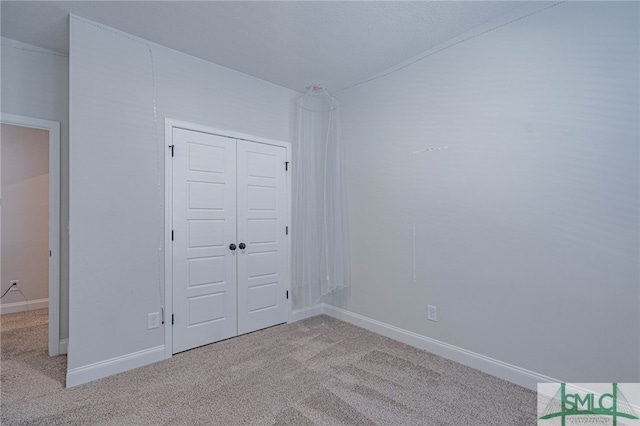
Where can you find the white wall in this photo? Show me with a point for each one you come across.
(117, 153)
(25, 214)
(526, 227)
(35, 83)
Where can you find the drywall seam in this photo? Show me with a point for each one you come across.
(158, 142)
(415, 278)
(420, 151)
(42, 52)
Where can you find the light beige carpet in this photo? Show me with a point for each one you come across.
(318, 371)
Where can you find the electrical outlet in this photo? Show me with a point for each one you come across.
(432, 313)
(153, 320)
(14, 285)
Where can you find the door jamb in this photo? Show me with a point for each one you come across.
(171, 124)
(53, 127)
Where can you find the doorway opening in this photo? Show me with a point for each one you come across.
(30, 219)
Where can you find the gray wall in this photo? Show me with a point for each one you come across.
(116, 176)
(35, 83)
(526, 227)
(25, 212)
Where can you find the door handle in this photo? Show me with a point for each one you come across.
(242, 246)
(232, 247)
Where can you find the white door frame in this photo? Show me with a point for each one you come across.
(53, 127)
(170, 124)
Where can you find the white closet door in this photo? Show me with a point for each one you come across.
(204, 225)
(262, 220)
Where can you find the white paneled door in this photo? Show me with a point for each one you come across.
(230, 254)
(262, 216)
(204, 225)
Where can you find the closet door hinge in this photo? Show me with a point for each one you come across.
(49, 253)
(286, 166)
(171, 146)
(172, 235)
(286, 230)
(287, 294)
(172, 319)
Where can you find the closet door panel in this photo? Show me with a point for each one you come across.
(204, 225)
(262, 220)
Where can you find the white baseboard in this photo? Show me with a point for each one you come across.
(502, 370)
(98, 370)
(63, 346)
(31, 305)
(308, 312)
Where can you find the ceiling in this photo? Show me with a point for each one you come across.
(291, 43)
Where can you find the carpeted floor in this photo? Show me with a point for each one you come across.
(318, 371)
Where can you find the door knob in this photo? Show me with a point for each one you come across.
(242, 246)
(232, 247)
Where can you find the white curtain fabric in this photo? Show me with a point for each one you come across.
(320, 219)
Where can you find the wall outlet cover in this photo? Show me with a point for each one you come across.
(432, 313)
(14, 285)
(153, 320)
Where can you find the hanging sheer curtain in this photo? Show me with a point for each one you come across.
(320, 221)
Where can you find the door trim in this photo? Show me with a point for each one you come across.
(169, 125)
(53, 127)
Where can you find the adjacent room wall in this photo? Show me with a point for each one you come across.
(117, 150)
(35, 83)
(497, 179)
(25, 217)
